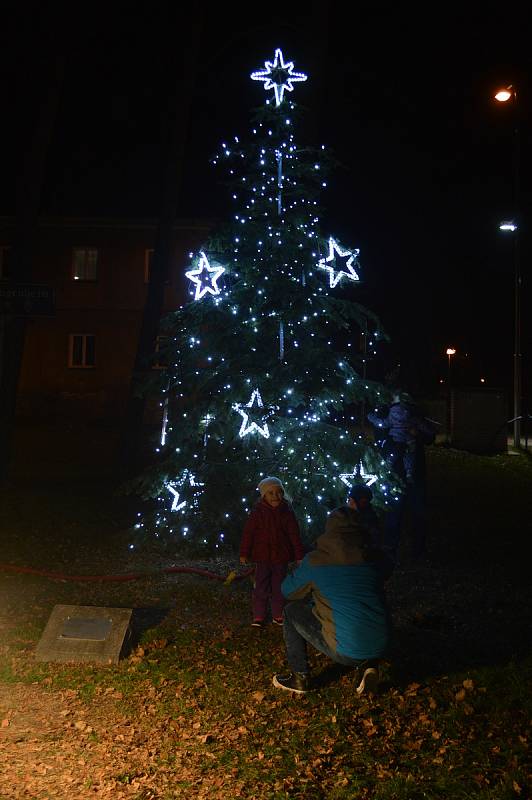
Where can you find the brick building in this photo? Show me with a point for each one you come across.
(78, 362)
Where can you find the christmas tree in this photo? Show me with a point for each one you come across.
(263, 376)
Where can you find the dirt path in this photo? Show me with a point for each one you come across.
(54, 745)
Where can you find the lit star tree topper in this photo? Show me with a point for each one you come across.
(205, 277)
(278, 76)
(331, 263)
(255, 401)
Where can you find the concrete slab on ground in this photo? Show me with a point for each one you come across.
(84, 634)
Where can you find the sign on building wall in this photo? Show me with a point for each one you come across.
(27, 300)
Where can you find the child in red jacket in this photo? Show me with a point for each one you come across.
(270, 539)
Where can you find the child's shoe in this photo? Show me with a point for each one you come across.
(296, 682)
(257, 623)
(277, 621)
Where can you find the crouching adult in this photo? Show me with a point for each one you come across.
(337, 604)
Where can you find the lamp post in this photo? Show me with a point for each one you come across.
(450, 352)
(506, 95)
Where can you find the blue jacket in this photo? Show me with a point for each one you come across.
(404, 424)
(344, 579)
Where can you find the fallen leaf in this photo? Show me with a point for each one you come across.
(258, 696)
(459, 696)
(468, 684)
(5, 723)
(370, 727)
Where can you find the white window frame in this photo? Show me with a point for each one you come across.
(83, 337)
(85, 278)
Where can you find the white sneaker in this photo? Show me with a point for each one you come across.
(369, 682)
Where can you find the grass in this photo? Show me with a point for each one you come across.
(452, 720)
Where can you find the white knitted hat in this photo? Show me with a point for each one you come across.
(267, 483)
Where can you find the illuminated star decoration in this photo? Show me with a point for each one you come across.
(348, 270)
(278, 76)
(176, 505)
(205, 277)
(359, 473)
(251, 427)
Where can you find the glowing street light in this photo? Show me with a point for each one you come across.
(503, 95)
(451, 351)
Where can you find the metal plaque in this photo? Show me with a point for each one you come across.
(81, 628)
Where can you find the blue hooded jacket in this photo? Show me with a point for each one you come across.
(344, 579)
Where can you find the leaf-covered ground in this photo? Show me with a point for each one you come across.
(191, 711)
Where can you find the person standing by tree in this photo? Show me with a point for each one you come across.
(271, 540)
(407, 432)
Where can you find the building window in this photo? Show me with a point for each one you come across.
(5, 262)
(84, 264)
(148, 258)
(160, 360)
(81, 350)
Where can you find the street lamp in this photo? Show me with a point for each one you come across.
(503, 95)
(450, 352)
(512, 226)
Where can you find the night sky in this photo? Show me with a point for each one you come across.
(402, 98)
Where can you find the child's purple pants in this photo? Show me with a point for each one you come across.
(268, 579)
